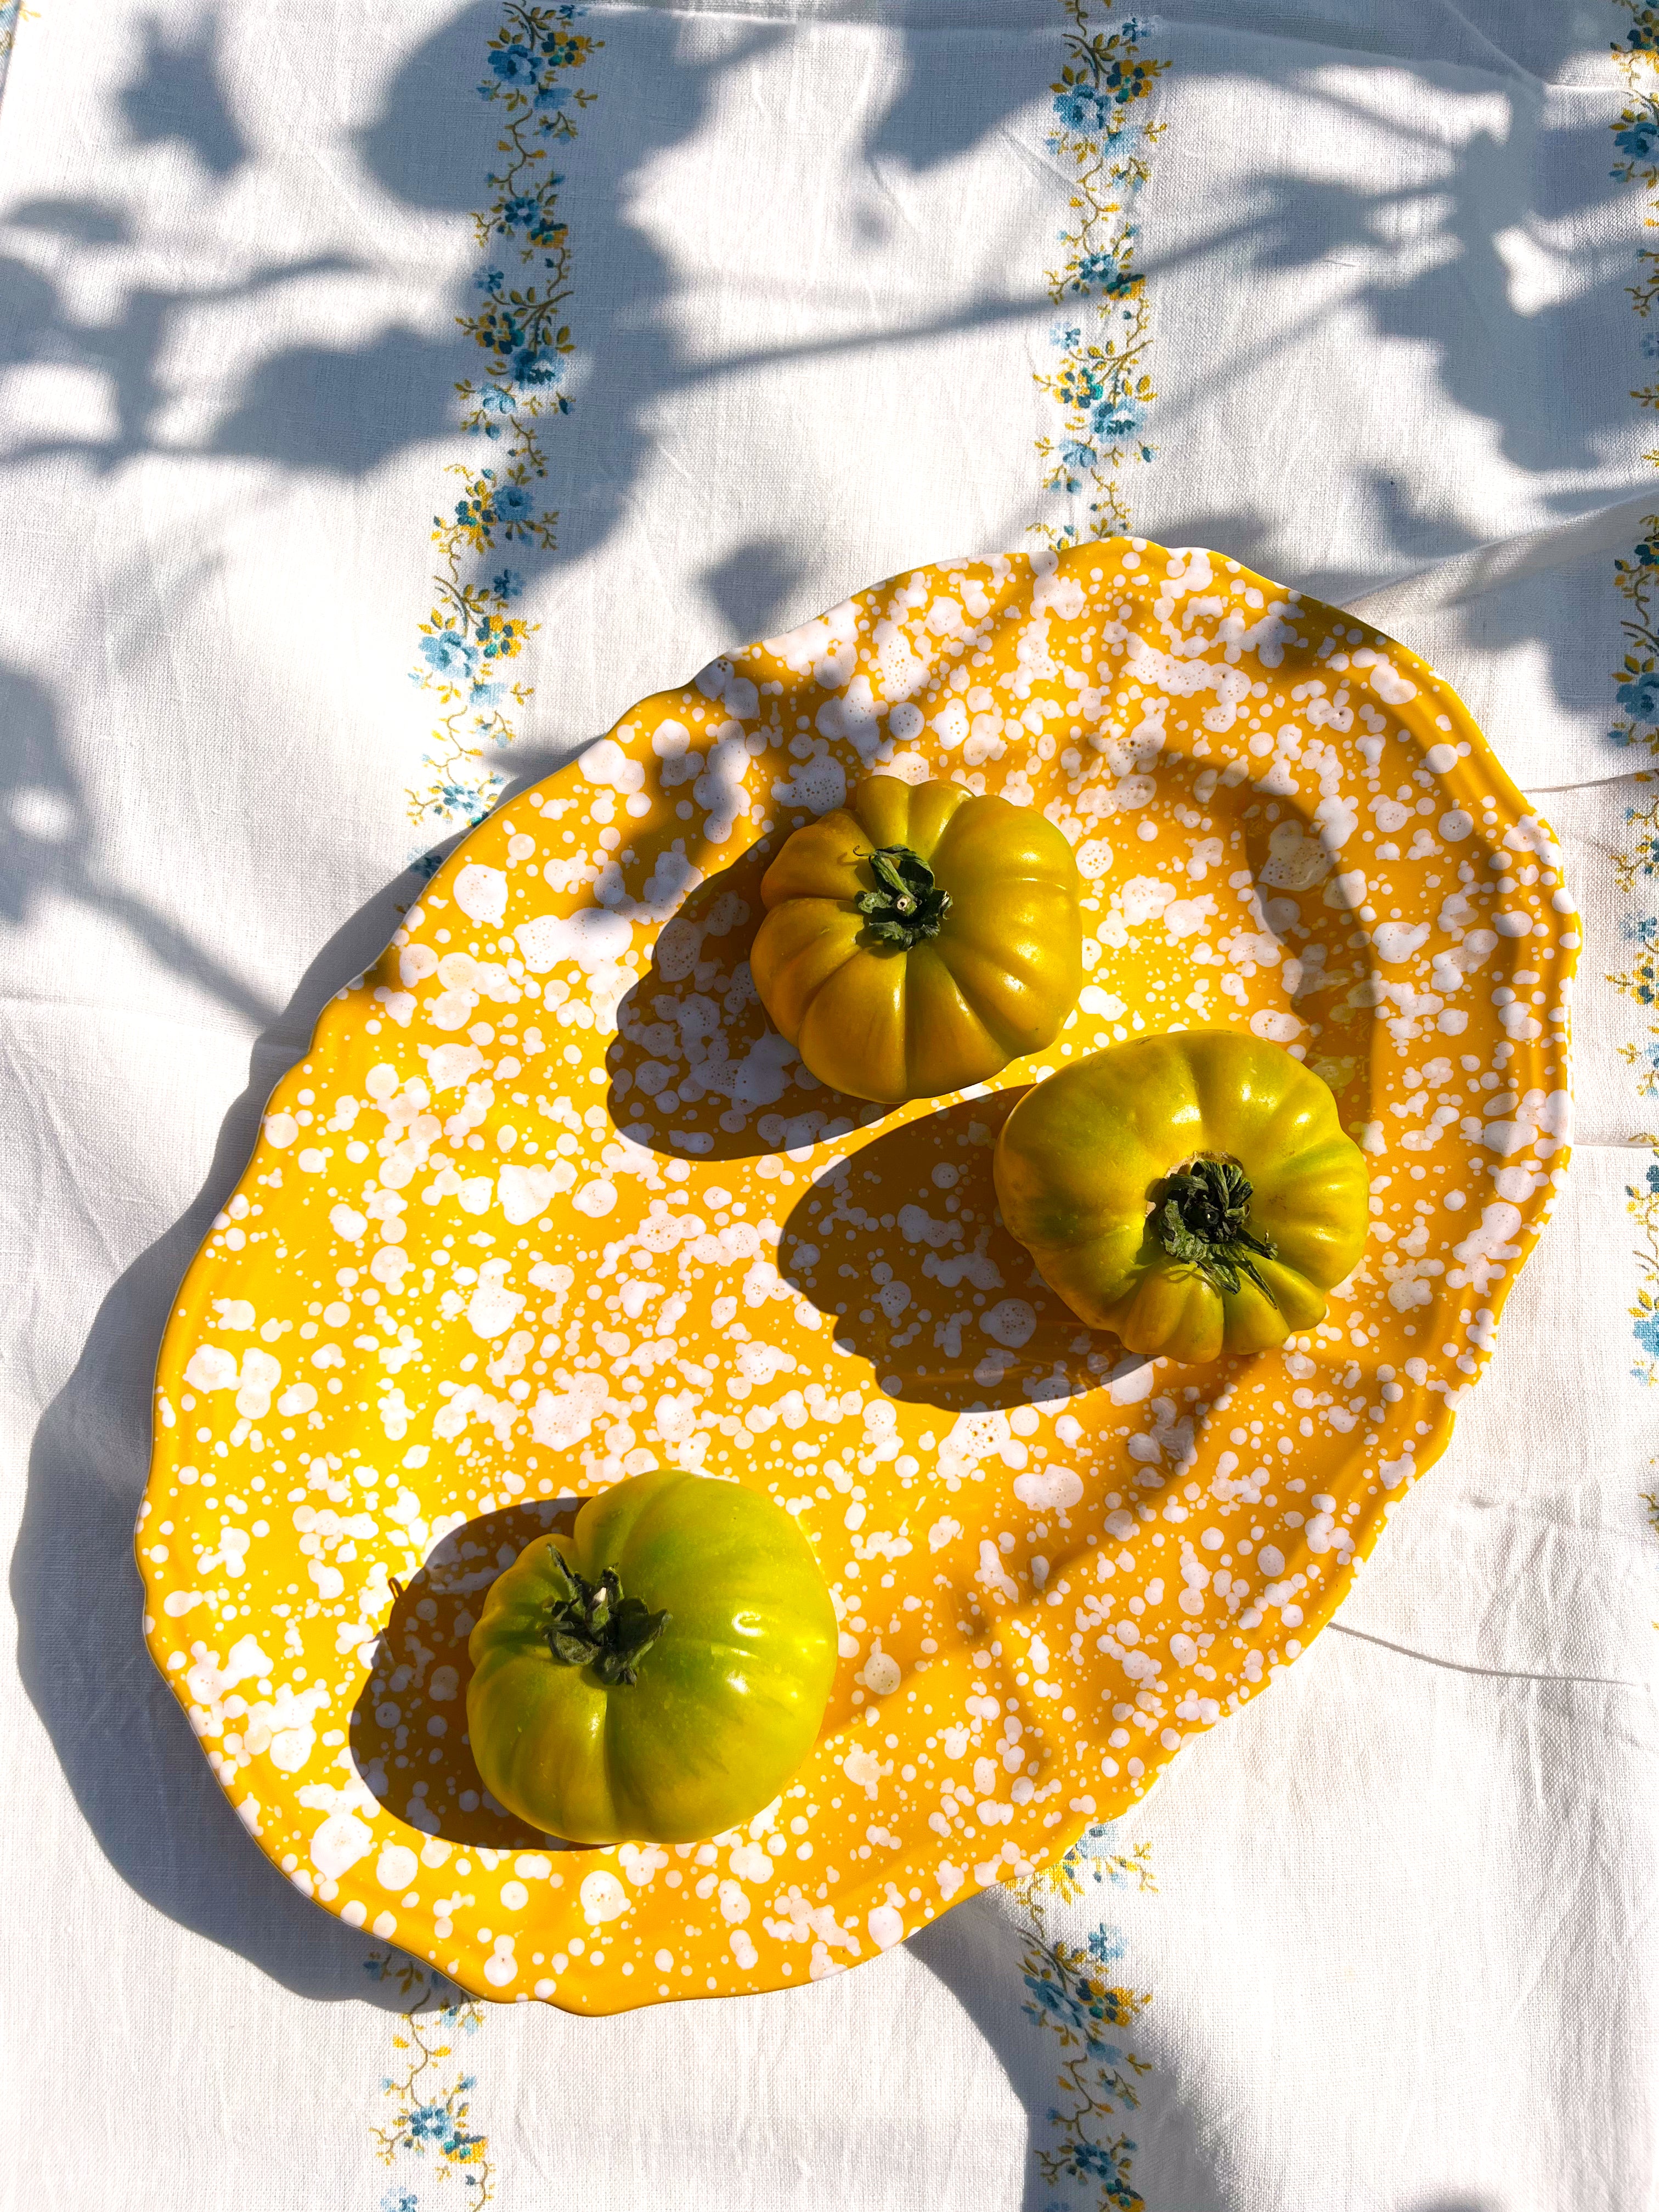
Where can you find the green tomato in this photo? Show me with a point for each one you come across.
(659, 1673)
(1195, 1193)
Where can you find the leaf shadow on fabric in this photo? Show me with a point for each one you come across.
(674, 71)
(89, 222)
(408, 1731)
(1430, 256)
(49, 850)
(756, 586)
(344, 410)
(136, 1772)
(340, 410)
(439, 172)
(178, 97)
(1425, 261)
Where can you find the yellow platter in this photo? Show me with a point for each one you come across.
(547, 1203)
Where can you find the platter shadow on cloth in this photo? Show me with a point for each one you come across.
(977, 1953)
(126, 1750)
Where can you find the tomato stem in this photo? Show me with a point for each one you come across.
(593, 1625)
(1201, 1215)
(906, 905)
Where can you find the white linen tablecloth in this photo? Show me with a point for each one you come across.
(1384, 1940)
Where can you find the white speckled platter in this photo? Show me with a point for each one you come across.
(547, 1203)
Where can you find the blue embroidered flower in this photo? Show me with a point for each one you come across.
(520, 208)
(1117, 418)
(547, 229)
(1641, 696)
(1106, 1944)
(549, 97)
(1639, 140)
(448, 653)
(1646, 1332)
(498, 328)
(1094, 2157)
(507, 585)
(511, 64)
(399, 2200)
(1076, 456)
(1078, 384)
(1084, 110)
(513, 503)
(537, 367)
(1049, 1995)
(429, 2123)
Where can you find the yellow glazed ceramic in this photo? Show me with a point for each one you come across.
(548, 1203)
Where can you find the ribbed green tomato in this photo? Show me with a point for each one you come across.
(657, 1674)
(1196, 1193)
(918, 939)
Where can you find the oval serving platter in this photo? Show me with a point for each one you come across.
(547, 1203)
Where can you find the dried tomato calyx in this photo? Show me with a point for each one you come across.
(1201, 1214)
(906, 905)
(597, 1627)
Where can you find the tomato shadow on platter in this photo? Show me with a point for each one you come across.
(901, 1246)
(408, 1730)
(697, 1072)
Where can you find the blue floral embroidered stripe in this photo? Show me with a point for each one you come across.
(1071, 1994)
(12, 12)
(429, 2133)
(1105, 141)
(1101, 386)
(1636, 576)
(526, 282)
